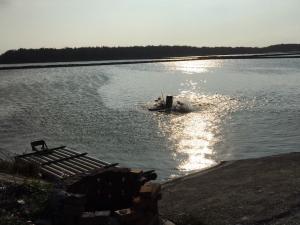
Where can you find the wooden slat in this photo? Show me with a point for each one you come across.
(97, 160)
(85, 166)
(88, 157)
(44, 158)
(66, 152)
(81, 169)
(85, 159)
(59, 156)
(63, 159)
(58, 167)
(61, 163)
(67, 167)
(88, 163)
(56, 174)
(62, 170)
(80, 162)
(41, 159)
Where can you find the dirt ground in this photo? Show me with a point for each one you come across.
(252, 191)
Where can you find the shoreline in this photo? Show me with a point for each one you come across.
(257, 191)
(136, 61)
(195, 173)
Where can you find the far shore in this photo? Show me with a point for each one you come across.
(139, 61)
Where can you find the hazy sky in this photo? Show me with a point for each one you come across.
(77, 23)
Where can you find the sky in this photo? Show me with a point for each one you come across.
(82, 23)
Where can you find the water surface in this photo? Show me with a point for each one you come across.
(238, 109)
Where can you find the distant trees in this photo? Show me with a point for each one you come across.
(135, 52)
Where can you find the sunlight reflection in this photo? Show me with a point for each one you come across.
(194, 135)
(194, 66)
(194, 140)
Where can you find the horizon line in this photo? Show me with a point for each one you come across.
(132, 46)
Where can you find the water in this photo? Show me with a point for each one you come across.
(238, 109)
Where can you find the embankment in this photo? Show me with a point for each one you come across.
(252, 191)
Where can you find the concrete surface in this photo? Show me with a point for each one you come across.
(252, 191)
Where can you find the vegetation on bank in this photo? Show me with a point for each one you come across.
(135, 52)
(27, 170)
(22, 201)
(22, 204)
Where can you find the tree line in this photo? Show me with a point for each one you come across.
(135, 52)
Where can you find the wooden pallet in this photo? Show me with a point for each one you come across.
(61, 162)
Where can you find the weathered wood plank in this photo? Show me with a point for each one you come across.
(80, 161)
(63, 159)
(88, 157)
(63, 162)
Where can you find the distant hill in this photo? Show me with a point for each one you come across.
(136, 52)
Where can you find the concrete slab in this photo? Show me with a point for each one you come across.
(251, 191)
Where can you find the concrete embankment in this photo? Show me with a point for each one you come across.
(252, 191)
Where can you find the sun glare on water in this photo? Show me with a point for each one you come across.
(194, 66)
(194, 141)
(194, 135)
